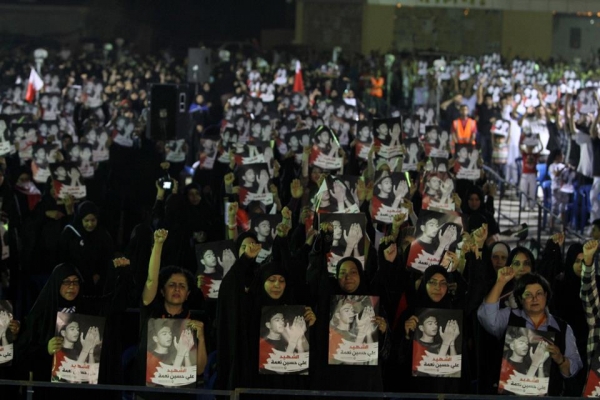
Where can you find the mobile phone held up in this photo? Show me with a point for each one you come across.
(167, 184)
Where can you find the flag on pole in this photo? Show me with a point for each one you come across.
(35, 85)
(298, 81)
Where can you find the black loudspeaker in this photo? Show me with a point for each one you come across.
(199, 65)
(168, 112)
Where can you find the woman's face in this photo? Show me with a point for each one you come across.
(89, 222)
(349, 277)
(474, 202)
(577, 265)
(275, 286)
(437, 287)
(194, 197)
(69, 288)
(521, 264)
(499, 259)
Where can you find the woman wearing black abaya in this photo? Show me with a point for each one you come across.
(34, 348)
(87, 246)
(566, 304)
(432, 292)
(233, 316)
(349, 280)
(273, 288)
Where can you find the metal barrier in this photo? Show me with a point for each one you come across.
(503, 185)
(238, 393)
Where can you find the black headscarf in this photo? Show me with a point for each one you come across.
(422, 299)
(40, 324)
(363, 287)
(84, 209)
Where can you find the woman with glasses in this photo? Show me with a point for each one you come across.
(37, 344)
(532, 294)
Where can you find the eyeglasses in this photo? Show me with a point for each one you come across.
(69, 283)
(435, 283)
(530, 296)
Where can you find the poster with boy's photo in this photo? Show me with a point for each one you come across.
(437, 342)
(171, 355)
(229, 137)
(351, 182)
(410, 127)
(427, 117)
(296, 141)
(214, 260)
(78, 360)
(411, 158)
(526, 363)
(334, 196)
(43, 156)
(364, 139)
(264, 226)
(353, 335)
(208, 152)
(4, 136)
(436, 233)
(297, 102)
(67, 180)
(324, 152)
(389, 194)
(50, 104)
(6, 336)
(123, 131)
(24, 135)
(250, 153)
(283, 347)
(49, 128)
(97, 138)
(253, 182)
(436, 142)
(241, 123)
(437, 189)
(82, 155)
(592, 386)
(349, 238)
(387, 135)
(501, 127)
(175, 150)
(324, 108)
(465, 166)
(261, 131)
(585, 102)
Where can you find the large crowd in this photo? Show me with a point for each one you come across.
(347, 194)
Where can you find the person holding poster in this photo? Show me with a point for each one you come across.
(9, 329)
(349, 281)
(532, 294)
(165, 296)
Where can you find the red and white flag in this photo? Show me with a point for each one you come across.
(35, 85)
(298, 81)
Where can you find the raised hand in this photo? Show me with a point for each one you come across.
(286, 213)
(296, 189)
(121, 262)
(505, 274)
(160, 235)
(361, 190)
(229, 178)
(558, 238)
(480, 235)
(391, 252)
(589, 249)
(55, 344)
(283, 229)
(252, 250)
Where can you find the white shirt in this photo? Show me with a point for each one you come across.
(586, 155)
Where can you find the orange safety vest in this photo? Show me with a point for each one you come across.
(377, 87)
(465, 132)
